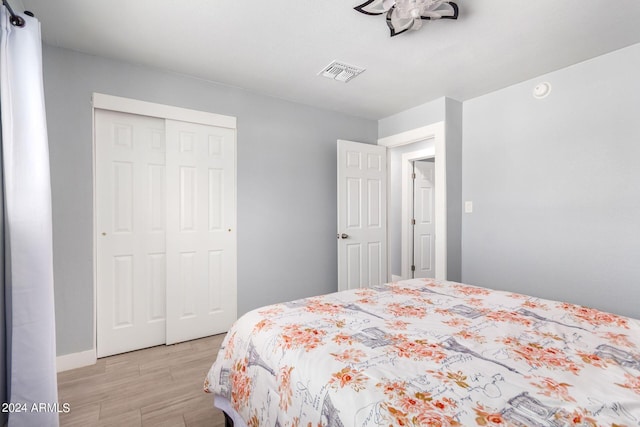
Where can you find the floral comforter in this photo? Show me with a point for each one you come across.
(427, 353)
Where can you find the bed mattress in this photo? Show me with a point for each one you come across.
(422, 352)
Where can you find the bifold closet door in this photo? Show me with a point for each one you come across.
(130, 223)
(201, 230)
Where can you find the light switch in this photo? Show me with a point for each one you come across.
(468, 207)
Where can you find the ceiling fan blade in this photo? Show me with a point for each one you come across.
(396, 24)
(371, 7)
(448, 10)
(431, 15)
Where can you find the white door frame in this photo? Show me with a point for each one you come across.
(134, 106)
(436, 132)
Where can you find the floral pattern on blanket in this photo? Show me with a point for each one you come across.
(427, 353)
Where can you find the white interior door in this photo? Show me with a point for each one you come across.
(362, 215)
(424, 225)
(130, 222)
(201, 232)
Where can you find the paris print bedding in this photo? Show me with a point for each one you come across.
(428, 353)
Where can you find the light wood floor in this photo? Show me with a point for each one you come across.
(158, 386)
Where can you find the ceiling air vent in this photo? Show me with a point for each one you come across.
(340, 71)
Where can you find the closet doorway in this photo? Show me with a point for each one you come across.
(165, 223)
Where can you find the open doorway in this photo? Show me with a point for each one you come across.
(405, 148)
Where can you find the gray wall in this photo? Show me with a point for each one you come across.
(286, 182)
(416, 117)
(453, 132)
(449, 111)
(555, 185)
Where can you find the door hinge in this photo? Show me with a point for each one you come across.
(413, 268)
(413, 222)
(413, 175)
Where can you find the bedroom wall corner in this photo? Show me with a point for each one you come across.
(453, 135)
(554, 185)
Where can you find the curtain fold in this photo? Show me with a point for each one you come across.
(28, 254)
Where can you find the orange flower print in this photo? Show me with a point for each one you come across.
(262, 325)
(537, 355)
(488, 418)
(271, 311)
(349, 355)
(451, 377)
(509, 316)
(402, 310)
(417, 349)
(476, 302)
(551, 388)
(348, 377)
(456, 322)
(593, 316)
(317, 306)
(534, 303)
(592, 359)
(342, 339)
(401, 290)
(414, 409)
(231, 343)
(284, 387)
(392, 388)
(579, 417)
(240, 384)
(398, 325)
(470, 290)
(338, 323)
(254, 421)
(365, 292)
(619, 339)
(469, 335)
(434, 418)
(295, 336)
(632, 383)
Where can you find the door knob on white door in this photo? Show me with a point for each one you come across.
(344, 236)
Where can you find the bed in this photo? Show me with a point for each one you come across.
(427, 353)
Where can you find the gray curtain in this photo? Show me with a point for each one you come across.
(28, 257)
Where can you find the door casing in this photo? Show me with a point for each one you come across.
(436, 132)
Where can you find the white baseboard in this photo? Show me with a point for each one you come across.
(395, 278)
(67, 362)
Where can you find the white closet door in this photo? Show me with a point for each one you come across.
(130, 222)
(201, 231)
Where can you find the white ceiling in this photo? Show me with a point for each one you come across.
(277, 47)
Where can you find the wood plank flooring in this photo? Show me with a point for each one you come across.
(158, 386)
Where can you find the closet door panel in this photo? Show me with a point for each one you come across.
(201, 230)
(130, 225)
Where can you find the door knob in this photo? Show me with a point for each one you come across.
(344, 236)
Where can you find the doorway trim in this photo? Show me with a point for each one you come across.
(436, 132)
